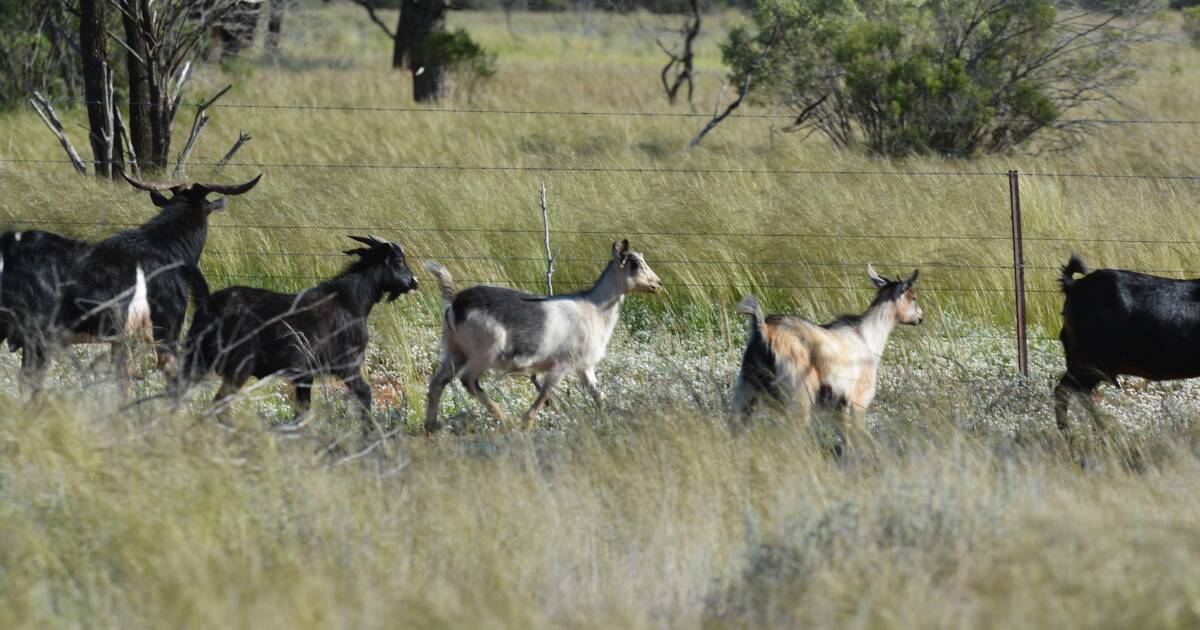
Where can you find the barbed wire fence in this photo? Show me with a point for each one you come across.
(1016, 240)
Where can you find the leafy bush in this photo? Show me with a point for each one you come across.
(34, 53)
(469, 63)
(939, 77)
(1191, 24)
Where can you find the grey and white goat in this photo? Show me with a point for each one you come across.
(492, 328)
(796, 363)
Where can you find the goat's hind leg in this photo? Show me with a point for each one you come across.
(1081, 385)
(552, 380)
(588, 378)
(745, 399)
(437, 384)
(470, 381)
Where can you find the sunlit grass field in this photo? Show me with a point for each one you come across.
(972, 512)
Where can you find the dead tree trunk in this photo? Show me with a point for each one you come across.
(236, 30)
(94, 52)
(418, 20)
(137, 56)
(410, 46)
(682, 63)
(275, 24)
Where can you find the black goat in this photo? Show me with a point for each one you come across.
(1123, 322)
(134, 282)
(243, 331)
(34, 267)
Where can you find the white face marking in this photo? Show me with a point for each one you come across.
(17, 236)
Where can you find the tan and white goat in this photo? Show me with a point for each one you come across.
(797, 363)
(492, 328)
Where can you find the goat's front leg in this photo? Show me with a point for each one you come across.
(853, 420)
(361, 390)
(552, 381)
(119, 352)
(35, 359)
(588, 376)
(223, 401)
(538, 386)
(303, 387)
(437, 383)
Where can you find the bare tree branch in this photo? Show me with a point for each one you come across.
(242, 139)
(737, 102)
(370, 7)
(197, 126)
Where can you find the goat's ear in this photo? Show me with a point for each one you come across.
(361, 251)
(620, 248)
(877, 279)
(159, 199)
(913, 278)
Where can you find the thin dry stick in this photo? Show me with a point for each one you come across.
(197, 126)
(46, 113)
(131, 163)
(549, 255)
(109, 133)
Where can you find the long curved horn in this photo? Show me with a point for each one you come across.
(227, 189)
(150, 186)
(370, 241)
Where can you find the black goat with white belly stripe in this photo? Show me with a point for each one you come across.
(134, 284)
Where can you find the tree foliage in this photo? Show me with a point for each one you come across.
(36, 51)
(943, 76)
(1191, 24)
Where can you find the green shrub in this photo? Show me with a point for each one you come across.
(1191, 24)
(462, 57)
(33, 54)
(939, 77)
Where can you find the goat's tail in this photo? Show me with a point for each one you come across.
(1074, 266)
(137, 315)
(445, 281)
(750, 307)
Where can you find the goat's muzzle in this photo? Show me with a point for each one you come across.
(408, 288)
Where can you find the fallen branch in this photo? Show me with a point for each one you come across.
(46, 113)
(737, 102)
(198, 125)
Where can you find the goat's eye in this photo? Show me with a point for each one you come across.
(633, 263)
